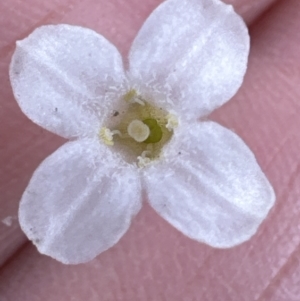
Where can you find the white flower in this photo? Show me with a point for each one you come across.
(137, 130)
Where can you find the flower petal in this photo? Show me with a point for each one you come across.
(79, 202)
(193, 51)
(61, 77)
(212, 190)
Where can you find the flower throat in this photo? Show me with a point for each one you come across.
(142, 131)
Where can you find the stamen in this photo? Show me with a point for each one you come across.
(172, 122)
(132, 97)
(129, 95)
(139, 101)
(107, 136)
(117, 132)
(138, 130)
(143, 160)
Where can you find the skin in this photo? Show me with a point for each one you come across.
(153, 261)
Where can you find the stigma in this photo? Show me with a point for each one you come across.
(138, 130)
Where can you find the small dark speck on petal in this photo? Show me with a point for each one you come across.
(115, 113)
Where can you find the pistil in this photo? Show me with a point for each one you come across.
(138, 130)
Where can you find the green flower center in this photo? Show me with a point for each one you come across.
(142, 131)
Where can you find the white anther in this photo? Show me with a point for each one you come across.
(107, 136)
(172, 122)
(138, 130)
(143, 160)
(132, 97)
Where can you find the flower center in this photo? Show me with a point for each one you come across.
(141, 131)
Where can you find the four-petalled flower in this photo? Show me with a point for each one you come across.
(137, 130)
